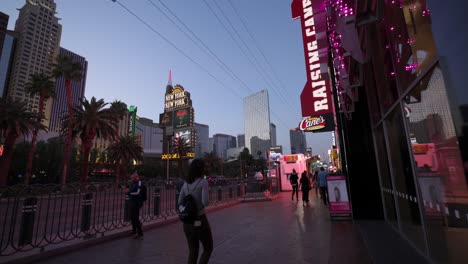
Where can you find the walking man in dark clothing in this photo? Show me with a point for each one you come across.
(322, 176)
(136, 202)
(293, 178)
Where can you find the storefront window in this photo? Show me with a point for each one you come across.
(385, 179)
(438, 167)
(408, 26)
(382, 64)
(405, 187)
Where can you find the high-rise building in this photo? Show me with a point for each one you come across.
(298, 141)
(202, 141)
(59, 103)
(241, 140)
(221, 143)
(7, 49)
(3, 28)
(257, 122)
(210, 144)
(37, 46)
(273, 134)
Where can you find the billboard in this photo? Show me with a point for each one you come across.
(166, 119)
(183, 117)
(132, 120)
(316, 97)
(275, 153)
(187, 134)
(176, 98)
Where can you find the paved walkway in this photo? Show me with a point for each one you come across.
(280, 231)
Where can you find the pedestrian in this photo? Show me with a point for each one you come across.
(322, 177)
(305, 188)
(135, 203)
(200, 230)
(316, 184)
(293, 178)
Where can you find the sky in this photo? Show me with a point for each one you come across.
(129, 61)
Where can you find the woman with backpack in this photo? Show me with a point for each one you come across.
(193, 200)
(305, 188)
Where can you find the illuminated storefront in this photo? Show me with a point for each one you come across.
(400, 95)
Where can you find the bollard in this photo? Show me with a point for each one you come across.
(238, 190)
(157, 199)
(86, 212)
(230, 192)
(27, 221)
(220, 194)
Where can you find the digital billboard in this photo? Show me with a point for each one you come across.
(187, 134)
(275, 153)
(182, 117)
(166, 119)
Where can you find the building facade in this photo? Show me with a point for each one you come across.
(221, 143)
(257, 122)
(298, 142)
(37, 46)
(3, 28)
(400, 77)
(59, 103)
(202, 140)
(150, 136)
(272, 134)
(241, 140)
(6, 60)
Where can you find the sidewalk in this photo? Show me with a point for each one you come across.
(280, 231)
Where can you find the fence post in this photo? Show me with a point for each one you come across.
(27, 220)
(238, 190)
(86, 212)
(157, 199)
(230, 192)
(127, 208)
(220, 194)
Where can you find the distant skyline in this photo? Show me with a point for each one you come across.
(130, 62)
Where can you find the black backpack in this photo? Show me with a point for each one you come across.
(143, 193)
(188, 209)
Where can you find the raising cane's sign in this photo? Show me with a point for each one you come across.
(316, 97)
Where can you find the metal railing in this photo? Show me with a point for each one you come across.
(36, 216)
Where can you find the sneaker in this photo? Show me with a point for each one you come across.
(138, 237)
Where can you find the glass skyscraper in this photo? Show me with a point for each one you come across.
(257, 122)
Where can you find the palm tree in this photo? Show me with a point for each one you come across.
(90, 120)
(42, 85)
(118, 109)
(15, 120)
(71, 71)
(181, 146)
(123, 151)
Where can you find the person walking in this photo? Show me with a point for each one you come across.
(305, 188)
(322, 177)
(135, 204)
(200, 230)
(316, 184)
(293, 178)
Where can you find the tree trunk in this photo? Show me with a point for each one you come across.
(87, 144)
(117, 173)
(179, 166)
(27, 175)
(5, 159)
(68, 142)
(124, 172)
